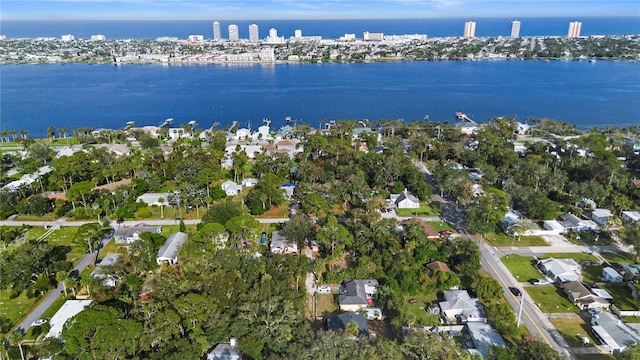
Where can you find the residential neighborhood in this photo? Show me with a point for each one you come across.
(289, 243)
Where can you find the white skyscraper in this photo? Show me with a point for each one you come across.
(253, 33)
(470, 29)
(297, 33)
(515, 29)
(216, 31)
(574, 29)
(233, 33)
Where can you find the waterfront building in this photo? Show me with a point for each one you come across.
(574, 29)
(273, 37)
(234, 35)
(297, 33)
(253, 33)
(348, 37)
(167, 38)
(67, 37)
(469, 29)
(196, 38)
(267, 55)
(98, 37)
(216, 31)
(367, 36)
(515, 29)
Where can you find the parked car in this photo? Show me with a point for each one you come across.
(515, 291)
(445, 232)
(323, 289)
(39, 322)
(539, 282)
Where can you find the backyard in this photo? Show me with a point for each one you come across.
(417, 308)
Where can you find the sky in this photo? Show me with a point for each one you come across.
(307, 9)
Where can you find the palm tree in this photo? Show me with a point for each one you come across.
(15, 339)
(61, 276)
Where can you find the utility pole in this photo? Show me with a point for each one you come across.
(520, 310)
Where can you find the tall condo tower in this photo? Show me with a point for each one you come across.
(216, 31)
(515, 29)
(253, 33)
(470, 29)
(233, 33)
(574, 29)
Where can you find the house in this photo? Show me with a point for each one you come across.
(631, 271)
(459, 306)
(609, 274)
(356, 295)
(152, 199)
(484, 337)
(288, 189)
(582, 297)
(111, 187)
(225, 351)
(249, 182)
(169, 252)
(280, 244)
(600, 216)
(68, 310)
(561, 270)
(100, 272)
(631, 216)
(404, 200)
(437, 265)
(132, 234)
(431, 233)
(613, 333)
(231, 188)
(178, 133)
(339, 322)
(554, 227)
(574, 223)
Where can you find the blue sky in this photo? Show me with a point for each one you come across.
(306, 9)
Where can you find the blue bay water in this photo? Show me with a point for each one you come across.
(34, 97)
(331, 29)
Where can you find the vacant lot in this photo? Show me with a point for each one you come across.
(573, 330)
(422, 210)
(502, 239)
(418, 306)
(326, 305)
(551, 299)
(521, 267)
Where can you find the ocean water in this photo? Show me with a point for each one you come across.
(331, 29)
(33, 97)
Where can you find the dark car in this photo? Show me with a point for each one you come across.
(515, 291)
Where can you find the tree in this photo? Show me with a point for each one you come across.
(631, 237)
(61, 276)
(352, 329)
(223, 211)
(80, 190)
(243, 228)
(484, 214)
(299, 229)
(89, 235)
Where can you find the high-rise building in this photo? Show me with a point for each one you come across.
(253, 33)
(574, 29)
(216, 31)
(297, 33)
(234, 35)
(470, 29)
(98, 37)
(515, 29)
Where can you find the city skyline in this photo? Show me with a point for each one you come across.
(308, 9)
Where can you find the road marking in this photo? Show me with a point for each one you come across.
(504, 284)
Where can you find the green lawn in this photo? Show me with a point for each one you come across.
(574, 256)
(622, 297)
(419, 310)
(573, 330)
(521, 267)
(501, 239)
(326, 304)
(64, 236)
(591, 274)
(440, 226)
(422, 210)
(14, 309)
(35, 233)
(46, 217)
(617, 257)
(551, 299)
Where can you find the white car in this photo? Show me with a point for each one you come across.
(39, 322)
(539, 282)
(323, 289)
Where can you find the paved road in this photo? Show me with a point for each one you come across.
(64, 222)
(53, 295)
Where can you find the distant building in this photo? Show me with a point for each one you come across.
(273, 37)
(297, 33)
(515, 29)
(67, 37)
(253, 33)
(216, 31)
(196, 38)
(98, 37)
(234, 35)
(367, 36)
(225, 351)
(574, 29)
(348, 37)
(469, 29)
